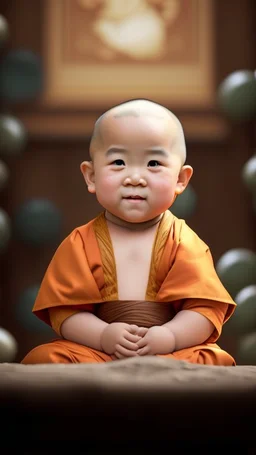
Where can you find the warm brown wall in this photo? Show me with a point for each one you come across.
(49, 167)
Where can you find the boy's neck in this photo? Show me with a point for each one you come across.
(132, 226)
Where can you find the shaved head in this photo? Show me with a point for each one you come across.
(141, 108)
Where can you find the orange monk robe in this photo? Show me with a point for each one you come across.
(82, 275)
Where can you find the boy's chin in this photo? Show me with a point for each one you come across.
(133, 219)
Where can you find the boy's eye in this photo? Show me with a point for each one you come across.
(154, 163)
(118, 162)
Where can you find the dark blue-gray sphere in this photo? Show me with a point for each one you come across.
(37, 222)
(21, 76)
(236, 269)
(13, 135)
(236, 96)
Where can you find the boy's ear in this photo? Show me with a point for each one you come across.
(185, 175)
(87, 170)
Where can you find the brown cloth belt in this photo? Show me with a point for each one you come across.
(139, 312)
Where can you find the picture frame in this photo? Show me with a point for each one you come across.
(85, 68)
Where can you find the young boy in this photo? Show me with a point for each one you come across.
(136, 280)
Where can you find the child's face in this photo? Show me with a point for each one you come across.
(136, 169)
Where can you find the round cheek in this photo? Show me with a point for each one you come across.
(163, 185)
(106, 190)
(105, 184)
(164, 194)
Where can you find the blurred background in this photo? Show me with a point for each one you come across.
(62, 64)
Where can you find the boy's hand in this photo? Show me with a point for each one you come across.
(120, 339)
(157, 340)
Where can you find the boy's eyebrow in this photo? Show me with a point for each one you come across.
(157, 151)
(115, 150)
(151, 151)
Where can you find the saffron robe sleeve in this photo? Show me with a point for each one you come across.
(72, 281)
(217, 314)
(188, 278)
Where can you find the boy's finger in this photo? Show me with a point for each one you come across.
(141, 343)
(120, 350)
(133, 338)
(143, 351)
(142, 331)
(134, 328)
(130, 345)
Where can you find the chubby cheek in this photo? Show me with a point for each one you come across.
(164, 190)
(104, 181)
(106, 187)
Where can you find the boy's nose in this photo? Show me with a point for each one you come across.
(135, 179)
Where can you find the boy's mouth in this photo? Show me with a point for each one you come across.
(135, 197)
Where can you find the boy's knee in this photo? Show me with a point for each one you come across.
(46, 353)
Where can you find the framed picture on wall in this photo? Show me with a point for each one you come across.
(101, 52)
